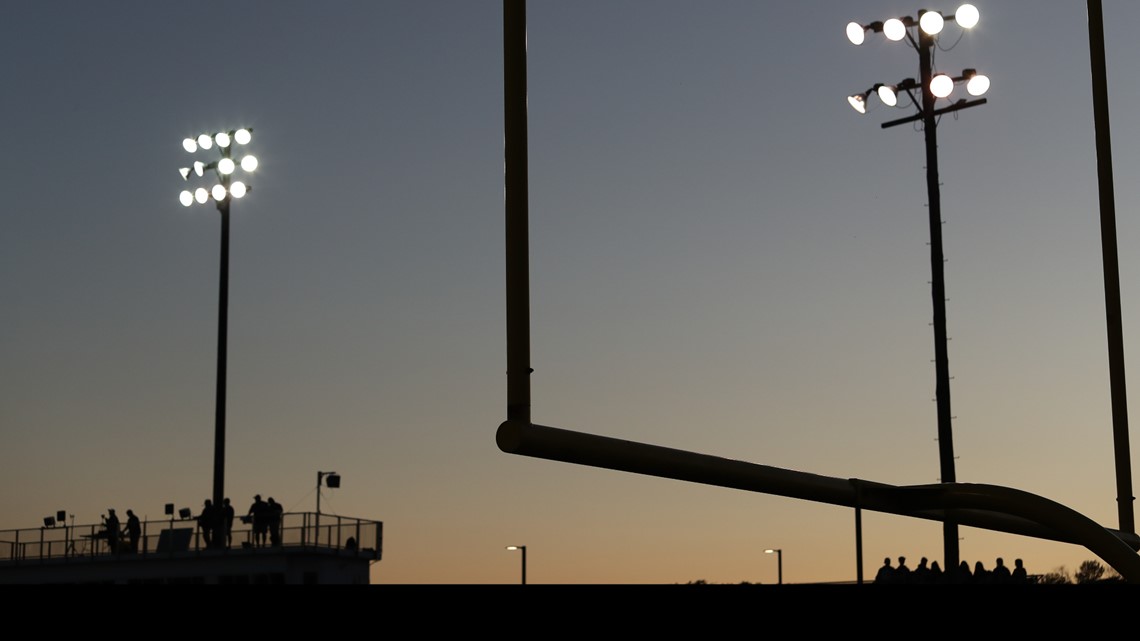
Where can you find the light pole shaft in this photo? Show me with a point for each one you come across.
(517, 212)
(938, 291)
(220, 402)
(1124, 498)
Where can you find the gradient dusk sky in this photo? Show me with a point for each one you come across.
(725, 258)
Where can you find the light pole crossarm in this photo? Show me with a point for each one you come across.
(958, 106)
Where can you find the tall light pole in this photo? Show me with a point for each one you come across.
(934, 86)
(223, 192)
(779, 564)
(523, 549)
(1111, 264)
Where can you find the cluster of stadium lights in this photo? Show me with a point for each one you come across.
(225, 166)
(931, 23)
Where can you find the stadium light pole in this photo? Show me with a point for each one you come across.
(779, 564)
(523, 549)
(934, 86)
(223, 192)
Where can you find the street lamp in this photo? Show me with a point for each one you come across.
(779, 564)
(934, 86)
(223, 192)
(523, 548)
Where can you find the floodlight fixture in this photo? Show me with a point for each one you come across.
(201, 195)
(222, 139)
(976, 83)
(894, 29)
(185, 171)
(49, 521)
(941, 85)
(856, 33)
(218, 192)
(888, 94)
(226, 166)
(189, 145)
(205, 141)
(242, 136)
(238, 189)
(249, 163)
(858, 101)
(931, 22)
(199, 168)
(186, 198)
(967, 16)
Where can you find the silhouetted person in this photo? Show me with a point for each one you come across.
(134, 531)
(981, 574)
(257, 512)
(1000, 573)
(274, 512)
(936, 573)
(963, 574)
(350, 544)
(886, 574)
(206, 522)
(921, 572)
(113, 530)
(228, 521)
(1018, 575)
(902, 572)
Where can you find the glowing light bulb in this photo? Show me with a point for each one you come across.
(226, 166)
(242, 136)
(978, 85)
(932, 22)
(855, 33)
(237, 190)
(218, 192)
(204, 141)
(223, 139)
(201, 195)
(249, 163)
(967, 16)
(186, 198)
(888, 96)
(894, 29)
(189, 145)
(857, 103)
(941, 85)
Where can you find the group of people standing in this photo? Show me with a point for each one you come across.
(266, 518)
(217, 524)
(933, 573)
(115, 532)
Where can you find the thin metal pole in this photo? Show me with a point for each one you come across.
(517, 226)
(938, 291)
(858, 532)
(1124, 498)
(524, 565)
(223, 313)
(779, 567)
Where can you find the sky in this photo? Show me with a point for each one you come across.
(725, 258)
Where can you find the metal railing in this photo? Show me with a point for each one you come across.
(296, 531)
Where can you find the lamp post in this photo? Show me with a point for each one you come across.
(523, 548)
(779, 564)
(223, 192)
(333, 481)
(934, 86)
